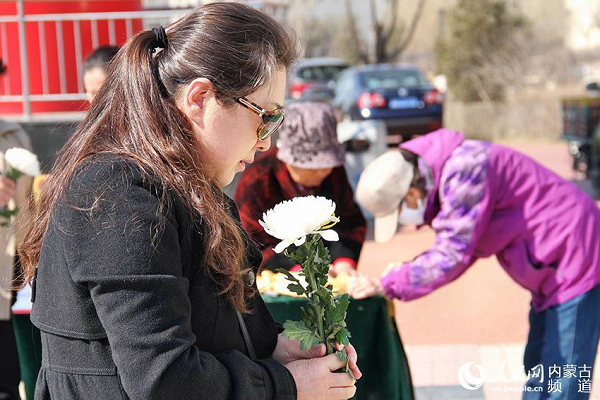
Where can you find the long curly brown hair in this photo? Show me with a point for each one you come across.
(134, 116)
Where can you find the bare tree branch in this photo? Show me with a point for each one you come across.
(380, 43)
(391, 26)
(362, 54)
(384, 31)
(411, 31)
(374, 14)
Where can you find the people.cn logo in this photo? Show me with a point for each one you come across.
(467, 379)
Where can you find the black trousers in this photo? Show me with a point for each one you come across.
(10, 374)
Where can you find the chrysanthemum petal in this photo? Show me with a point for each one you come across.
(281, 246)
(329, 235)
(300, 241)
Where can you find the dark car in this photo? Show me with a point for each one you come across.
(399, 95)
(314, 78)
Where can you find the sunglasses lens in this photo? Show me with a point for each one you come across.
(269, 127)
(263, 133)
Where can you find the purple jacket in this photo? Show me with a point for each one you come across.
(485, 199)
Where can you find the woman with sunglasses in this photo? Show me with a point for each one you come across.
(144, 286)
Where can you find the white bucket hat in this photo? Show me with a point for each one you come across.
(381, 188)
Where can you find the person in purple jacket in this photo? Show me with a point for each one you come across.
(483, 199)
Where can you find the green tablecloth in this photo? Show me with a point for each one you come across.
(381, 357)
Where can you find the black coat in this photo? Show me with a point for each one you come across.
(127, 314)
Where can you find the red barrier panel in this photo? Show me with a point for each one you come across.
(44, 60)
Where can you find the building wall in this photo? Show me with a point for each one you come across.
(584, 24)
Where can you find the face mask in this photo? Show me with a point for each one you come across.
(412, 216)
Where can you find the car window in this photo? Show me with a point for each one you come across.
(392, 79)
(320, 73)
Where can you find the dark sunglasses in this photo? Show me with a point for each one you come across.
(270, 120)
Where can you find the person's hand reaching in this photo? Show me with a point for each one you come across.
(363, 286)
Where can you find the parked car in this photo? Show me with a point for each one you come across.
(399, 95)
(314, 78)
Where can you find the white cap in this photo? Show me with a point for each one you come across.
(381, 188)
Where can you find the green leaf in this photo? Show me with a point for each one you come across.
(297, 288)
(299, 331)
(343, 336)
(288, 275)
(308, 317)
(322, 278)
(342, 355)
(321, 257)
(323, 294)
(337, 314)
(298, 254)
(13, 174)
(332, 330)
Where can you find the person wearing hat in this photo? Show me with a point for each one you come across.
(483, 199)
(308, 161)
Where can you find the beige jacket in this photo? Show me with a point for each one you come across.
(12, 135)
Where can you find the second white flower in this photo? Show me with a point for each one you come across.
(23, 161)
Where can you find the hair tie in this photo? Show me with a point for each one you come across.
(160, 43)
(160, 37)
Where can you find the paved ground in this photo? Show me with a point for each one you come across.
(481, 317)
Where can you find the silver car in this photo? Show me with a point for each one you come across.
(313, 78)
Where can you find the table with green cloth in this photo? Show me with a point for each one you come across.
(381, 356)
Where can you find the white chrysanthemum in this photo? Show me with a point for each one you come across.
(292, 220)
(23, 161)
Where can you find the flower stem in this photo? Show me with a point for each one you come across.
(315, 299)
(320, 323)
